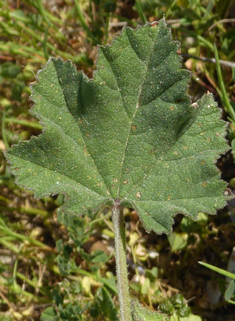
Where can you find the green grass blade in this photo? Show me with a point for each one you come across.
(218, 270)
(224, 96)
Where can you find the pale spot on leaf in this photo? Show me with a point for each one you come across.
(195, 105)
(138, 195)
(134, 127)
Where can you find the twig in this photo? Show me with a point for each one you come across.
(124, 23)
(7, 301)
(222, 62)
(118, 24)
(220, 21)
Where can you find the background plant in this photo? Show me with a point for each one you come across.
(210, 240)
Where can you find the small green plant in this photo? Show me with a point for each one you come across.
(128, 138)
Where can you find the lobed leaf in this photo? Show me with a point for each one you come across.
(139, 313)
(130, 133)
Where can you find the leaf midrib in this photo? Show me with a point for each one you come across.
(137, 107)
(133, 117)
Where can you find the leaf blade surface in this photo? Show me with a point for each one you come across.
(130, 133)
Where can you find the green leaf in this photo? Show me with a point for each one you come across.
(177, 241)
(106, 305)
(145, 286)
(9, 70)
(49, 315)
(139, 313)
(99, 257)
(230, 290)
(57, 297)
(192, 317)
(233, 147)
(131, 133)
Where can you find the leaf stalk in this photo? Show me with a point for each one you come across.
(121, 267)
